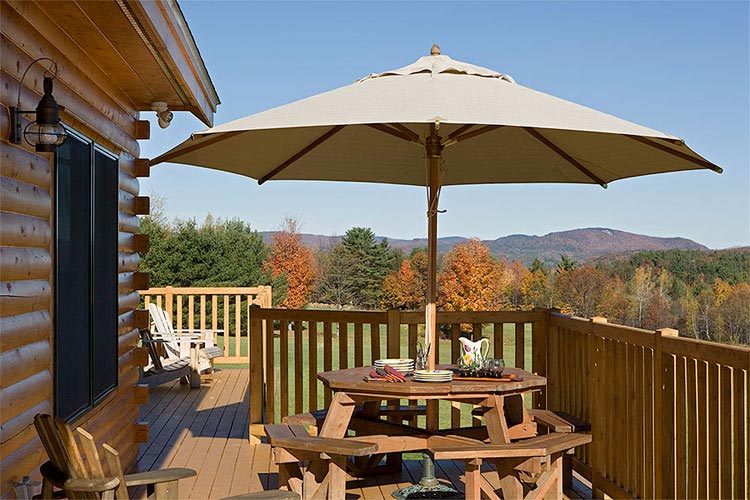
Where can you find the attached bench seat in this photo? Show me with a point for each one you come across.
(316, 418)
(538, 458)
(311, 466)
(558, 421)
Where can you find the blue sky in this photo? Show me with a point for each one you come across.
(683, 68)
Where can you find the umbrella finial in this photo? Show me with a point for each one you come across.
(435, 50)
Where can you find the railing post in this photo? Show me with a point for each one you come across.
(664, 412)
(255, 367)
(168, 297)
(539, 352)
(594, 380)
(553, 358)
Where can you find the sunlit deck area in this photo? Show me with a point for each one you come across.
(206, 429)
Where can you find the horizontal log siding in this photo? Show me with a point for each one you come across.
(96, 108)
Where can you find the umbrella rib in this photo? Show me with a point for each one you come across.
(213, 140)
(394, 132)
(414, 136)
(565, 155)
(460, 130)
(679, 154)
(470, 135)
(302, 152)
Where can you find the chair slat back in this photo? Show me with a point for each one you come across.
(115, 469)
(152, 351)
(62, 451)
(163, 325)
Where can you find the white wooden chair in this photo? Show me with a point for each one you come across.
(178, 342)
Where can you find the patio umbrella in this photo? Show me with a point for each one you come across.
(434, 123)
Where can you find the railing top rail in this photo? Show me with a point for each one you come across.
(612, 331)
(714, 352)
(722, 354)
(204, 290)
(335, 316)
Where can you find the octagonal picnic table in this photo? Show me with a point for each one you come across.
(505, 415)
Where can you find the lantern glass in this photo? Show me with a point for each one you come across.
(45, 136)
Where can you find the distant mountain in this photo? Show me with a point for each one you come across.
(579, 244)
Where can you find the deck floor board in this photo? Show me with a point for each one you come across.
(207, 430)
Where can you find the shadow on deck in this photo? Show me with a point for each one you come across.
(207, 430)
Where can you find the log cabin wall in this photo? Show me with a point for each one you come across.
(100, 106)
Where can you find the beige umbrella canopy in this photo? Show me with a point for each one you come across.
(434, 123)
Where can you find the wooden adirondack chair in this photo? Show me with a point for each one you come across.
(178, 341)
(170, 367)
(78, 470)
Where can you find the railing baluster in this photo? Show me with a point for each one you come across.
(327, 355)
(191, 312)
(203, 312)
(284, 366)
(312, 338)
(298, 369)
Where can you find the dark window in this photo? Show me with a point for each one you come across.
(86, 197)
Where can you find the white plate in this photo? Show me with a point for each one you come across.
(433, 373)
(394, 361)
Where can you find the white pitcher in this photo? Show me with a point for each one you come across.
(474, 353)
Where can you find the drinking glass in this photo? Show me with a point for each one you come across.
(494, 367)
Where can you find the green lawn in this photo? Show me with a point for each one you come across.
(444, 357)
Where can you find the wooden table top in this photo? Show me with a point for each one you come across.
(352, 381)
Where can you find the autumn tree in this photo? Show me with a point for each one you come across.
(583, 290)
(641, 289)
(519, 275)
(402, 289)
(472, 280)
(289, 258)
(537, 285)
(735, 312)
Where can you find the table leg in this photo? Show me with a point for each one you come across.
(339, 414)
(494, 417)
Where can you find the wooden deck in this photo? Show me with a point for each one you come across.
(206, 429)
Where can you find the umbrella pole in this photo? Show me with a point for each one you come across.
(428, 486)
(434, 149)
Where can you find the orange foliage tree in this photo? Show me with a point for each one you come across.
(472, 280)
(402, 289)
(289, 258)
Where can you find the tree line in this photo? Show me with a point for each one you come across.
(706, 295)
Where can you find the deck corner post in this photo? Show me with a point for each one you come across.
(255, 365)
(595, 376)
(664, 449)
(553, 359)
(540, 352)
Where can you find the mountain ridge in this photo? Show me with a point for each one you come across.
(580, 244)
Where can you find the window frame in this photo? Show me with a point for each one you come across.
(94, 397)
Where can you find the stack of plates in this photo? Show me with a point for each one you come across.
(403, 365)
(433, 375)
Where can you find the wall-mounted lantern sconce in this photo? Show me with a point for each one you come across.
(45, 132)
(163, 114)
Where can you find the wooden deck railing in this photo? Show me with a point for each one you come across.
(213, 308)
(669, 415)
(302, 343)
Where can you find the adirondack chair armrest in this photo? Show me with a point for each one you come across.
(158, 476)
(82, 485)
(208, 334)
